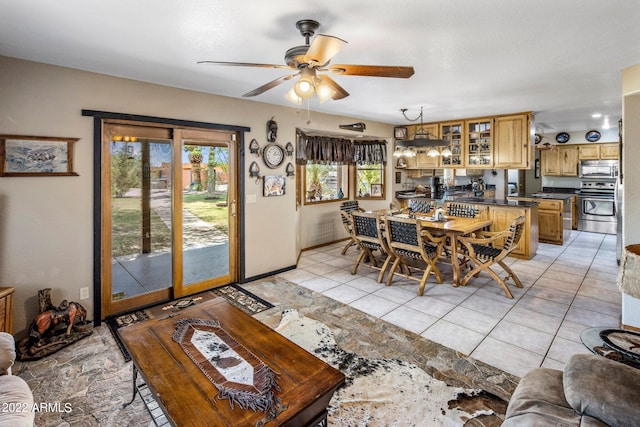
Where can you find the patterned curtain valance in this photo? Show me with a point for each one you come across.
(370, 152)
(325, 149)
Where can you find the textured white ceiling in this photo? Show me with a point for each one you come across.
(559, 58)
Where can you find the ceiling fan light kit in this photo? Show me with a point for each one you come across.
(313, 57)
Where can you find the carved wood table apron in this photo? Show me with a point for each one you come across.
(186, 395)
(454, 227)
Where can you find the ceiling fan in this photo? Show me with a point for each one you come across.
(310, 60)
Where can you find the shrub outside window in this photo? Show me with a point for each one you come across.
(325, 182)
(369, 181)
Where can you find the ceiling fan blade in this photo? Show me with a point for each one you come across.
(245, 64)
(339, 90)
(372, 70)
(270, 85)
(323, 48)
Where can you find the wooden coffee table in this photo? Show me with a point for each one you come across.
(185, 393)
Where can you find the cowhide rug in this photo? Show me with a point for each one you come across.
(382, 392)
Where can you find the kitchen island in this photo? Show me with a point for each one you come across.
(503, 211)
(554, 216)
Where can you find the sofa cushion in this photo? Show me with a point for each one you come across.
(16, 400)
(603, 388)
(7, 352)
(539, 401)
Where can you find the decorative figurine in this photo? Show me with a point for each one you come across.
(272, 130)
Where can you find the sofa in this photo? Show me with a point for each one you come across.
(591, 391)
(16, 399)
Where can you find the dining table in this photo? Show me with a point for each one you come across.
(452, 227)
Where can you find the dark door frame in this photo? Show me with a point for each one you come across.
(98, 117)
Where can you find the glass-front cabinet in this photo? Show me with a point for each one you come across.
(479, 143)
(452, 132)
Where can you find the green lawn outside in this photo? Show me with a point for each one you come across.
(127, 222)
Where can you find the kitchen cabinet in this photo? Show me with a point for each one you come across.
(590, 152)
(513, 142)
(503, 216)
(610, 151)
(550, 160)
(452, 132)
(479, 143)
(552, 227)
(606, 151)
(489, 194)
(560, 161)
(550, 221)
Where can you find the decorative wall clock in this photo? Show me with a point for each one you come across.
(273, 155)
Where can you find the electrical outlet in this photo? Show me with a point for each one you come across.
(84, 293)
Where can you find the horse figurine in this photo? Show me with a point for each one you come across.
(44, 324)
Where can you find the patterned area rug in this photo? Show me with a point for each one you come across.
(236, 295)
(385, 392)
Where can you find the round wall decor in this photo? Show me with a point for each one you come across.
(562, 137)
(592, 136)
(273, 155)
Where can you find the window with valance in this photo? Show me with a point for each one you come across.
(326, 149)
(326, 161)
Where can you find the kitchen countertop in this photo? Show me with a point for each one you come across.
(497, 202)
(412, 195)
(556, 196)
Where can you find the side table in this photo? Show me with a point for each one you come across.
(590, 337)
(6, 309)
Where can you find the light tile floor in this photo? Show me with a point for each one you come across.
(566, 289)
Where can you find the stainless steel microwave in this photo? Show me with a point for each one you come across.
(598, 169)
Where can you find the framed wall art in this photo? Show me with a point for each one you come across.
(400, 132)
(376, 190)
(24, 155)
(274, 186)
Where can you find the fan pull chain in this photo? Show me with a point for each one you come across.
(308, 118)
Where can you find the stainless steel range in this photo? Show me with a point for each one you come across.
(597, 206)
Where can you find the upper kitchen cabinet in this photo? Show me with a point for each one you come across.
(609, 151)
(453, 132)
(560, 161)
(590, 152)
(513, 141)
(479, 143)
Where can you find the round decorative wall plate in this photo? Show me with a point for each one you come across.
(538, 138)
(592, 136)
(562, 137)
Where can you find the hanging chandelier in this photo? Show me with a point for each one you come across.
(421, 139)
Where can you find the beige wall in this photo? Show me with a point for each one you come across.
(46, 235)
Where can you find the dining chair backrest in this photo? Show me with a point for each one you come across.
(463, 210)
(366, 224)
(516, 230)
(421, 205)
(401, 232)
(348, 207)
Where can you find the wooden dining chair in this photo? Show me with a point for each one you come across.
(420, 206)
(463, 210)
(408, 240)
(369, 236)
(490, 248)
(346, 208)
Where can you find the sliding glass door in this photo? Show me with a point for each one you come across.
(168, 213)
